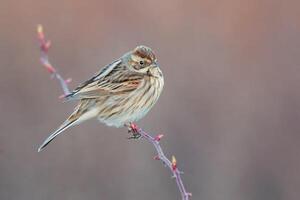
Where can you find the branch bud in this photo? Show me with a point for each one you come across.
(47, 45)
(188, 194)
(49, 67)
(62, 96)
(69, 80)
(40, 32)
(158, 137)
(174, 163)
(156, 157)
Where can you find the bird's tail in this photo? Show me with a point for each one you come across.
(81, 113)
(68, 123)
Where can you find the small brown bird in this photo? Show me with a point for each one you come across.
(121, 93)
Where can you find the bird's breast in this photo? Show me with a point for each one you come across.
(131, 107)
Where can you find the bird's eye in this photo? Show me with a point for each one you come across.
(142, 63)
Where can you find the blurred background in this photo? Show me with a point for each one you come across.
(230, 110)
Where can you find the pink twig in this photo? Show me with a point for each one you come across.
(172, 165)
(44, 46)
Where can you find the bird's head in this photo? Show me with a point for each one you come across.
(143, 60)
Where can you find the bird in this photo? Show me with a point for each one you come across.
(121, 93)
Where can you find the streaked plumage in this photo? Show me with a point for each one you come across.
(122, 92)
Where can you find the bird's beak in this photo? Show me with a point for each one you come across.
(155, 64)
(153, 68)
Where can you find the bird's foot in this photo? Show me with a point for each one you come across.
(133, 129)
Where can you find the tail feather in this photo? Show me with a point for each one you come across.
(63, 127)
(81, 113)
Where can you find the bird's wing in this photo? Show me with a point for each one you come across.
(112, 79)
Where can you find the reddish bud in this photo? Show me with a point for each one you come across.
(174, 163)
(40, 32)
(156, 157)
(43, 48)
(47, 44)
(69, 80)
(62, 96)
(158, 137)
(49, 67)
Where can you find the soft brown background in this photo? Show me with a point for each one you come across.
(230, 110)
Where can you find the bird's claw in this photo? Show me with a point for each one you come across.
(135, 136)
(133, 129)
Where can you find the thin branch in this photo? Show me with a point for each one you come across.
(172, 165)
(44, 46)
